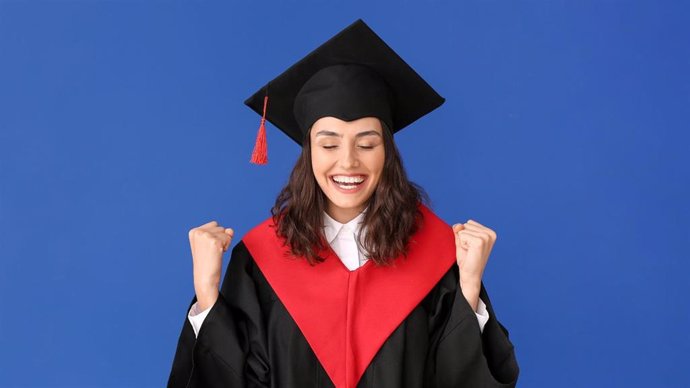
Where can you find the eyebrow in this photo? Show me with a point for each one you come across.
(361, 134)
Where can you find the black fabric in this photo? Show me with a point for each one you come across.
(248, 339)
(347, 92)
(408, 98)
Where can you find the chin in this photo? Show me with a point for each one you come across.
(349, 204)
(344, 202)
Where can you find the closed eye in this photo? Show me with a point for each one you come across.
(335, 146)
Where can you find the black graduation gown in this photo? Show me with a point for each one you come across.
(250, 338)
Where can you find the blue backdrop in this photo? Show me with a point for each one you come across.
(122, 126)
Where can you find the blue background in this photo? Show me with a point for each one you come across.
(122, 126)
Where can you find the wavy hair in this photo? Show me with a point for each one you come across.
(392, 216)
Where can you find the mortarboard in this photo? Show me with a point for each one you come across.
(354, 74)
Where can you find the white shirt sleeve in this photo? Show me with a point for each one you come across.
(482, 314)
(196, 317)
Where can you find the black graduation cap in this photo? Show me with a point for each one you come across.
(354, 74)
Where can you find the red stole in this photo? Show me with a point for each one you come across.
(346, 316)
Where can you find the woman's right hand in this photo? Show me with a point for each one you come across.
(208, 242)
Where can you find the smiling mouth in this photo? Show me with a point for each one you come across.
(348, 183)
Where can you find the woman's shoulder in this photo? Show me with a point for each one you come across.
(244, 280)
(262, 230)
(259, 240)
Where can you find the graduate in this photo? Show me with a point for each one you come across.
(353, 281)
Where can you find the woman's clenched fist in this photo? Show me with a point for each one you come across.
(208, 242)
(473, 244)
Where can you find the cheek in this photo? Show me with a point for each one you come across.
(377, 163)
(320, 166)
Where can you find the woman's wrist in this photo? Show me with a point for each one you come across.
(206, 299)
(470, 289)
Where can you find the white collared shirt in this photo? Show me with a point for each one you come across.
(342, 238)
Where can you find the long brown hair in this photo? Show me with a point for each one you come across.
(392, 216)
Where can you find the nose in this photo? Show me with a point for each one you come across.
(349, 158)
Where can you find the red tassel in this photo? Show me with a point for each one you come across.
(260, 153)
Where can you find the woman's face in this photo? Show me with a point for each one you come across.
(347, 158)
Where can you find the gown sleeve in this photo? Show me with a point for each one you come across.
(230, 349)
(461, 354)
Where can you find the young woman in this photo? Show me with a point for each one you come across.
(353, 281)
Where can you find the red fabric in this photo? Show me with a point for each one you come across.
(346, 316)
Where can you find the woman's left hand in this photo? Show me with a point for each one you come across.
(473, 244)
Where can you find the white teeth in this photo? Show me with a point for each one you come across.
(348, 179)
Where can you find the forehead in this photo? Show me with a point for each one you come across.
(334, 124)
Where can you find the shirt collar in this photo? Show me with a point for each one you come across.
(332, 228)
